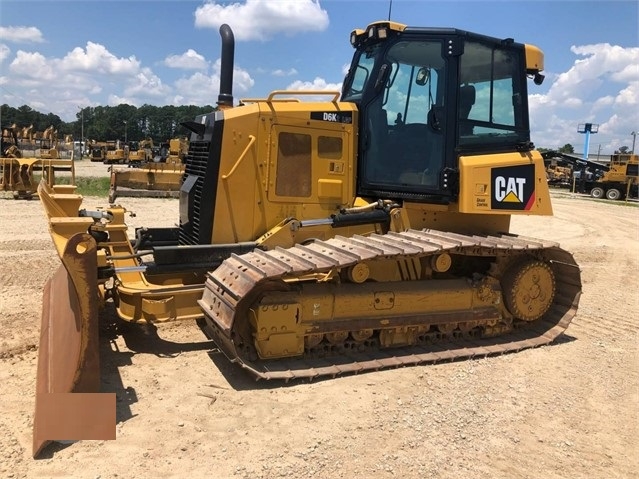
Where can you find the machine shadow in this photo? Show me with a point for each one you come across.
(241, 380)
(144, 338)
(111, 360)
(139, 339)
(51, 449)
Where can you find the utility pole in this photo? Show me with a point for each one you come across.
(82, 135)
(125, 138)
(634, 137)
(81, 132)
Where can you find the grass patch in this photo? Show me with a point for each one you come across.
(632, 203)
(566, 194)
(88, 185)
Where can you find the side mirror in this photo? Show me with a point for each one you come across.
(423, 75)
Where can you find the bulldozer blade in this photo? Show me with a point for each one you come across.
(69, 406)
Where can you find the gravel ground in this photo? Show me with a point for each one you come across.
(568, 410)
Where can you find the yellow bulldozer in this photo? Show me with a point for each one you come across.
(157, 177)
(97, 151)
(115, 152)
(21, 175)
(140, 152)
(325, 233)
(176, 151)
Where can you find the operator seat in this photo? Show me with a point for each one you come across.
(377, 141)
(419, 153)
(467, 96)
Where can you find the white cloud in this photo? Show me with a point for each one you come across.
(62, 84)
(603, 102)
(284, 73)
(628, 96)
(202, 89)
(32, 66)
(601, 87)
(317, 84)
(601, 62)
(85, 72)
(573, 102)
(21, 34)
(189, 60)
(96, 58)
(115, 100)
(263, 19)
(242, 80)
(603, 58)
(146, 84)
(5, 51)
(198, 89)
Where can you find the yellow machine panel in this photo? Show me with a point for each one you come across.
(510, 183)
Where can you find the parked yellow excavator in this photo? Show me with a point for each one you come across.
(324, 237)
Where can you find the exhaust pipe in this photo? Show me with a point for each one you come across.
(225, 98)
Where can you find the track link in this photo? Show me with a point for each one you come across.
(242, 281)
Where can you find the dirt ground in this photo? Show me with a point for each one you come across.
(569, 410)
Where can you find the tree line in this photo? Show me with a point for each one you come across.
(127, 122)
(102, 123)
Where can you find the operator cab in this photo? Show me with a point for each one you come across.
(429, 95)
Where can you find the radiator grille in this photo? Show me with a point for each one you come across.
(196, 164)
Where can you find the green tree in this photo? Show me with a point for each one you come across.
(102, 123)
(567, 148)
(25, 116)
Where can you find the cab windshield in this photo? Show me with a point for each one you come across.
(360, 76)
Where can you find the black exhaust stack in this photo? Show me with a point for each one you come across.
(225, 98)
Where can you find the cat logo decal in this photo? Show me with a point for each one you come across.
(513, 187)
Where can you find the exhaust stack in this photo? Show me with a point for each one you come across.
(225, 98)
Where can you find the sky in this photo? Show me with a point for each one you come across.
(61, 56)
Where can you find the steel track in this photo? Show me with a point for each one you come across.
(240, 280)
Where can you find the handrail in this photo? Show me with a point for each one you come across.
(335, 93)
(271, 97)
(239, 160)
